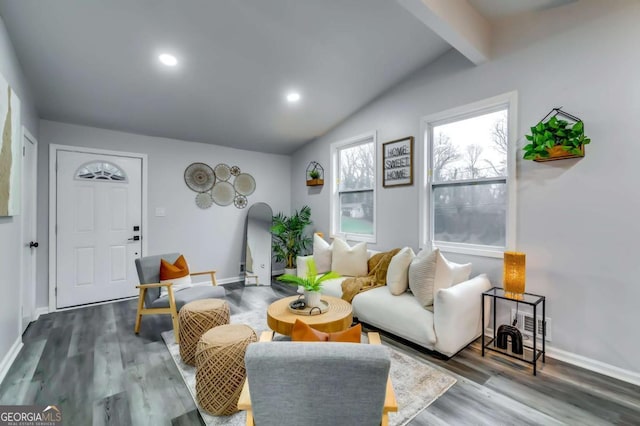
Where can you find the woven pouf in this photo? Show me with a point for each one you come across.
(220, 371)
(196, 318)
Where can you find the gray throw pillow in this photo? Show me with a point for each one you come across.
(422, 275)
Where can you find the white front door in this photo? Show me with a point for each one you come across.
(99, 215)
(29, 241)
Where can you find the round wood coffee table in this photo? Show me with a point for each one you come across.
(337, 318)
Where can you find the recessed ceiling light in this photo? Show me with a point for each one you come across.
(168, 60)
(293, 97)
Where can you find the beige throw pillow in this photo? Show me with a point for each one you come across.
(322, 254)
(422, 275)
(449, 273)
(398, 271)
(349, 261)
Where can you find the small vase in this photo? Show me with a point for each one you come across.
(312, 299)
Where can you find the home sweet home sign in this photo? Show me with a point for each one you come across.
(397, 162)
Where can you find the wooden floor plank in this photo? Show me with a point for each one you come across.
(112, 411)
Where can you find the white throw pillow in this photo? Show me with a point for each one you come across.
(398, 271)
(422, 275)
(449, 273)
(349, 261)
(178, 284)
(322, 254)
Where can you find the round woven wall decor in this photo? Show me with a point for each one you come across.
(222, 171)
(244, 184)
(199, 177)
(223, 193)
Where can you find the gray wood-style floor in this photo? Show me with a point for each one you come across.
(89, 362)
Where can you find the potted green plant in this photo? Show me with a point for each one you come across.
(314, 178)
(289, 239)
(312, 283)
(555, 139)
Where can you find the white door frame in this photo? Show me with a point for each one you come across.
(28, 192)
(53, 184)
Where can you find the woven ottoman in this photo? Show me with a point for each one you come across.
(196, 318)
(220, 371)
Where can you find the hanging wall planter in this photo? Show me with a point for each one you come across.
(558, 136)
(315, 174)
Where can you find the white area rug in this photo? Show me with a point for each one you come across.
(416, 383)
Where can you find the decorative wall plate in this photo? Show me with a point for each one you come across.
(244, 184)
(222, 171)
(199, 177)
(223, 193)
(235, 170)
(204, 200)
(240, 201)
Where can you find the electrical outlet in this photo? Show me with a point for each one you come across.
(242, 267)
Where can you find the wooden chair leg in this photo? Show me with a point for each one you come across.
(213, 278)
(250, 418)
(385, 419)
(141, 296)
(174, 315)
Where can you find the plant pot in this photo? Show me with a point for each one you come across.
(315, 182)
(291, 271)
(312, 298)
(558, 153)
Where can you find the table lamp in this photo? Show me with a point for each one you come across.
(514, 272)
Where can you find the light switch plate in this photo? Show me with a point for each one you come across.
(160, 212)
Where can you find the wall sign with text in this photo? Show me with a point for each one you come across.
(397, 162)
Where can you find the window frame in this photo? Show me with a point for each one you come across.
(334, 202)
(510, 102)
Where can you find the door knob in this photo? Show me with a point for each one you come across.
(33, 244)
(134, 238)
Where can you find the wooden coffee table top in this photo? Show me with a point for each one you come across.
(337, 318)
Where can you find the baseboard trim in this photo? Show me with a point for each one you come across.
(594, 365)
(40, 311)
(8, 359)
(590, 364)
(230, 280)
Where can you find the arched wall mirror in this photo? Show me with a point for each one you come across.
(258, 245)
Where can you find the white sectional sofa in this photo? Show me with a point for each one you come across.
(449, 325)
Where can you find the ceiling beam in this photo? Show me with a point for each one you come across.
(458, 23)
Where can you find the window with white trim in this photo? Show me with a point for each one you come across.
(353, 198)
(470, 183)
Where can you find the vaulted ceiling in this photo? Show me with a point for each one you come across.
(96, 62)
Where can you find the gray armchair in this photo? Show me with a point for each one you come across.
(149, 300)
(301, 383)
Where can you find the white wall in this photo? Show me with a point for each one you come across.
(10, 244)
(211, 238)
(577, 219)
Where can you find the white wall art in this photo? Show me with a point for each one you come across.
(10, 151)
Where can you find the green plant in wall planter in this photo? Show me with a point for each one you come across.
(556, 138)
(314, 174)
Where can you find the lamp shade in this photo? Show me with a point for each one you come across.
(514, 272)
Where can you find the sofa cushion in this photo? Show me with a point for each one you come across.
(398, 271)
(422, 275)
(333, 287)
(190, 294)
(349, 261)
(401, 315)
(322, 254)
